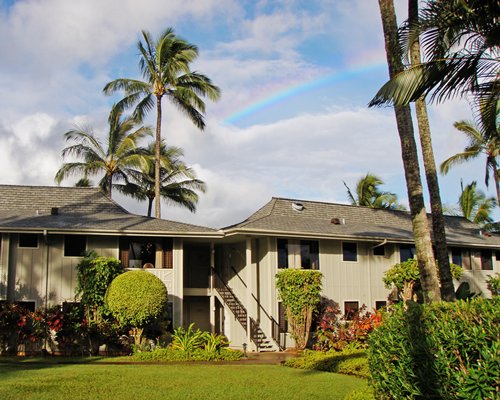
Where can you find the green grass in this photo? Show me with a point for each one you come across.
(169, 381)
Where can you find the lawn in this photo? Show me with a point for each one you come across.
(169, 381)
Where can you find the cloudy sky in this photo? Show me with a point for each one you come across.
(292, 121)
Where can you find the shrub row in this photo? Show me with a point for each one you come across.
(442, 350)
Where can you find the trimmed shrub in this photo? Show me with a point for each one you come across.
(173, 354)
(136, 298)
(347, 362)
(440, 350)
(300, 292)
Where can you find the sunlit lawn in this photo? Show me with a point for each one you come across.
(175, 381)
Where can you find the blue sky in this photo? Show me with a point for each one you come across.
(292, 120)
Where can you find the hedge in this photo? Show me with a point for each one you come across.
(438, 351)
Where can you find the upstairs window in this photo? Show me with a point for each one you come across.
(75, 245)
(406, 252)
(379, 250)
(28, 240)
(486, 260)
(309, 254)
(456, 256)
(282, 253)
(349, 251)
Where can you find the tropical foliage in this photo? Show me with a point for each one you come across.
(493, 284)
(164, 65)
(460, 43)
(299, 290)
(368, 194)
(113, 160)
(480, 142)
(178, 182)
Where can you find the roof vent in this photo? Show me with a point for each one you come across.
(54, 211)
(338, 221)
(298, 206)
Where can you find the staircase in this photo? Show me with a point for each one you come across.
(257, 335)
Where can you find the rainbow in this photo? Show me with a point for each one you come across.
(296, 89)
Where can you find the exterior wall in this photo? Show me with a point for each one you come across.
(4, 264)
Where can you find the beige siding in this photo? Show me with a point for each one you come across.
(4, 264)
(106, 246)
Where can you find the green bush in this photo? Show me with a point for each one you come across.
(493, 283)
(442, 350)
(136, 298)
(347, 362)
(174, 354)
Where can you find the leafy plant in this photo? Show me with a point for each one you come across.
(136, 298)
(405, 277)
(493, 284)
(336, 331)
(188, 340)
(299, 291)
(442, 350)
(94, 275)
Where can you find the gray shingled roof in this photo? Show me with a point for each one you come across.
(82, 210)
(278, 217)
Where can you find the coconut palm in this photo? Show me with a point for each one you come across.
(420, 222)
(475, 206)
(481, 142)
(424, 130)
(164, 65)
(461, 45)
(368, 194)
(178, 181)
(114, 159)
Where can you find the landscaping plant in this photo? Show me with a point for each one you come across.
(299, 291)
(438, 351)
(493, 284)
(136, 298)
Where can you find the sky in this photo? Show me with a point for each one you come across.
(292, 120)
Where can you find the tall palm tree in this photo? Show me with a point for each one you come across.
(420, 223)
(368, 194)
(164, 65)
(178, 181)
(481, 141)
(114, 159)
(475, 206)
(461, 44)
(438, 224)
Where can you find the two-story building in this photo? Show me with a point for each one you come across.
(223, 280)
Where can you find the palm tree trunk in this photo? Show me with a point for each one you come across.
(497, 181)
(157, 157)
(150, 205)
(420, 223)
(438, 224)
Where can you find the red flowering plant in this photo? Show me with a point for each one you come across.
(10, 317)
(336, 331)
(33, 327)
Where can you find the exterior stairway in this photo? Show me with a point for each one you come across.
(257, 335)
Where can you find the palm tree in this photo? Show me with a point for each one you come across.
(475, 206)
(164, 65)
(114, 160)
(438, 224)
(461, 43)
(178, 181)
(368, 194)
(481, 142)
(420, 223)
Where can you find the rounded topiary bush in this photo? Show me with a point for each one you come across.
(136, 298)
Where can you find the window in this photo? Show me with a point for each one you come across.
(379, 250)
(456, 256)
(349, 251)
(486, 260)
(351, 309)
(75, 245)
(28, 240)
(282, 253)
(497, 254)
(309, 254)
(380, 304)
(406, 252)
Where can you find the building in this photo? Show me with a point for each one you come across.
(223, 280)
